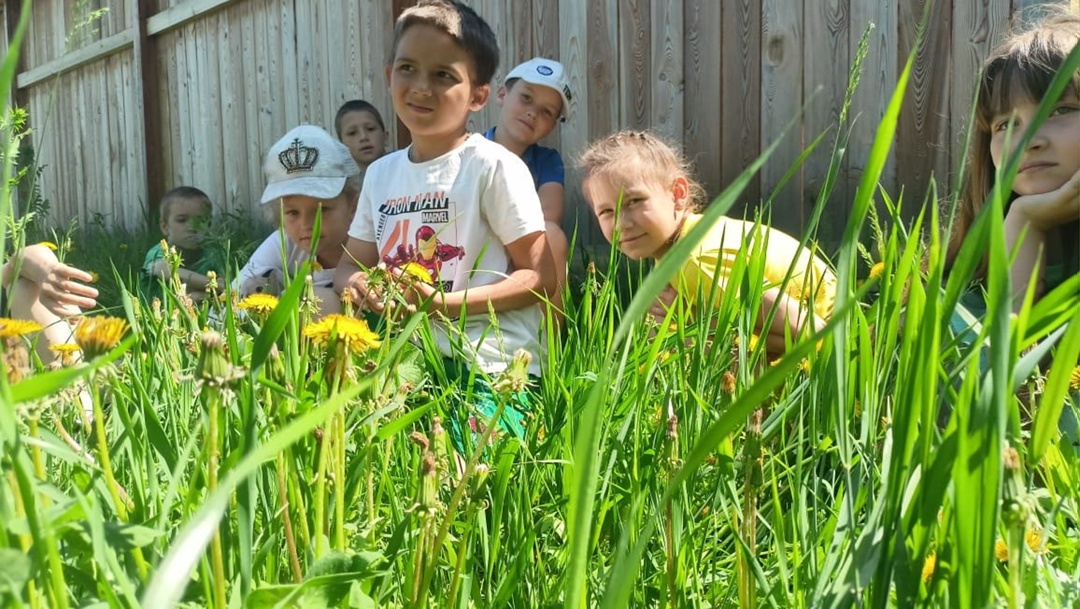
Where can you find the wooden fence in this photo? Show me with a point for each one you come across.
(157, 93)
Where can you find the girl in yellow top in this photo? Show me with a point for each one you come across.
(644, 198)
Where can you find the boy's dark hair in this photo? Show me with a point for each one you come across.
(182, 193)
(356, 105)
(462, 24)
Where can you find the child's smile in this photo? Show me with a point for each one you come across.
(647, 216)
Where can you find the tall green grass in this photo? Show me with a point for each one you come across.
(883, 461)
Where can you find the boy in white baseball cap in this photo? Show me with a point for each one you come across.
(306, 171)
(534, 97)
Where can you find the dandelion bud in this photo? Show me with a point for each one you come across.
(419, 439)
(213, 366)
(514, 378)
(1010, 458)
(673, 427)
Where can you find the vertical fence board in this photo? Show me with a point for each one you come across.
(232, 78)
(978, 28)
(545, 43)
(739, 104)
(702, 119)
(634, 63)
(876, 84)
(782, 98)
(924, 122)
(667, 70)
(825, 81)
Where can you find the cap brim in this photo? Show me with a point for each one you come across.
(318, 188)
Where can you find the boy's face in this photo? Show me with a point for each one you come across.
(431, 86)
(1053, 154)
(298, 217)
(363, 136)
(185, 224)
(644, 223)
(529, 112)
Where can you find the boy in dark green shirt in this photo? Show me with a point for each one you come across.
(185, 213)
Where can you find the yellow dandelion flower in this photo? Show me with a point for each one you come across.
(353, 333)
(10, 328)
(67, 352)
(316, 265)
(49, 244)
(877, 270)
(97, 335)
(1001, 550)
(727, 382)
(1074, 379)
(752, 344)
(1034, 540)
(258, 303)
(93, 276)
(417, 272)
(928, 566)
(804, 365)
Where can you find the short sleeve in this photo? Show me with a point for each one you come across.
(550, 168)
(509, 201)
(267, 257)
(363, 222)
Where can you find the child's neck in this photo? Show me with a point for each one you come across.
(424, 149)
(511, 145)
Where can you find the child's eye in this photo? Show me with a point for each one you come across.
(1064, 109)
(1002, 124)
(525, 97)
(443, 74)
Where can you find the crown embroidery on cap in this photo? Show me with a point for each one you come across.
(298, 157)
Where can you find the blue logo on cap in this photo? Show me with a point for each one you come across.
(544, 70)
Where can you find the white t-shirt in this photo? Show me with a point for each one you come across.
(454, 215)
(267, 259)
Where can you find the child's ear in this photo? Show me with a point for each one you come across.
(480, 96)
(680, 192)
(500, 95)
(164, 225)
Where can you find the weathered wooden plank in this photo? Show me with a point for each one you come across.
(782, 98)
(249, 184)
(635, 73)
(825, 71)
(182, 13)
(978, 26)
(545, 43)
(76, 59)
(738, 106)
(924, 124)
(523, 19)
(876, 84)
(292, 67)
(234, 158)
(666, 112)
(210, 176)
(702, 124)
(146, 103)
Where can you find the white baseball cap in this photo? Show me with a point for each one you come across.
(546, 73)
(307, 161)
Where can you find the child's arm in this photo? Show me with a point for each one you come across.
(1026, 224)
(532, 279)
(551, 201)
(790, 318)
(195, 282)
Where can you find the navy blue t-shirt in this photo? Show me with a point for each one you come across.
(545, 164)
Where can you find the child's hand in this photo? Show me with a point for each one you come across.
(63, 294)
(270, 282)
(662, 303)
(364, 294)
(1050, 209)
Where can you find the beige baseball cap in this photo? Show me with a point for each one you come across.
(307, 161)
